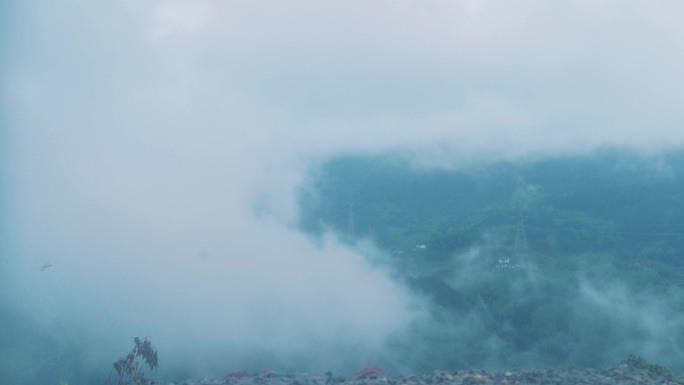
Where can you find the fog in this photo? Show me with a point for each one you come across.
(152, 153)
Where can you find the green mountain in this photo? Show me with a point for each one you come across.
(547, 261)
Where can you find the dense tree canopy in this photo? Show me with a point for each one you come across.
(544, 261)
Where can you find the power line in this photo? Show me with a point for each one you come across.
(607, 231)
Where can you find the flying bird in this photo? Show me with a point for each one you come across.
(45, 266)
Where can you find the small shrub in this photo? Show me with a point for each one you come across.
(639, 362)
(130, 370)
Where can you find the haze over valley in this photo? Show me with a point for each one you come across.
(311, 186)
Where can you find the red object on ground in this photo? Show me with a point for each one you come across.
(371, 371)
(237, 374)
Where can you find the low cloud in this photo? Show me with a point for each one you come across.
(155, 149)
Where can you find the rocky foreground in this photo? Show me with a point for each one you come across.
(622, 374)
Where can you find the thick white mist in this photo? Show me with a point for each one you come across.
(156, 147)
(165, 209)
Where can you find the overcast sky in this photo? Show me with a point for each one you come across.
(153, 148)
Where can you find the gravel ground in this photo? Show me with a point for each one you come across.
(621, 374)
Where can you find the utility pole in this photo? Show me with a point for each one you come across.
(521, 247)
(351, 229)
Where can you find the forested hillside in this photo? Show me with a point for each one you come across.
(573, 260)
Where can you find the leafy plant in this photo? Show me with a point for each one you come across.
(639, 362)
(130, 370)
